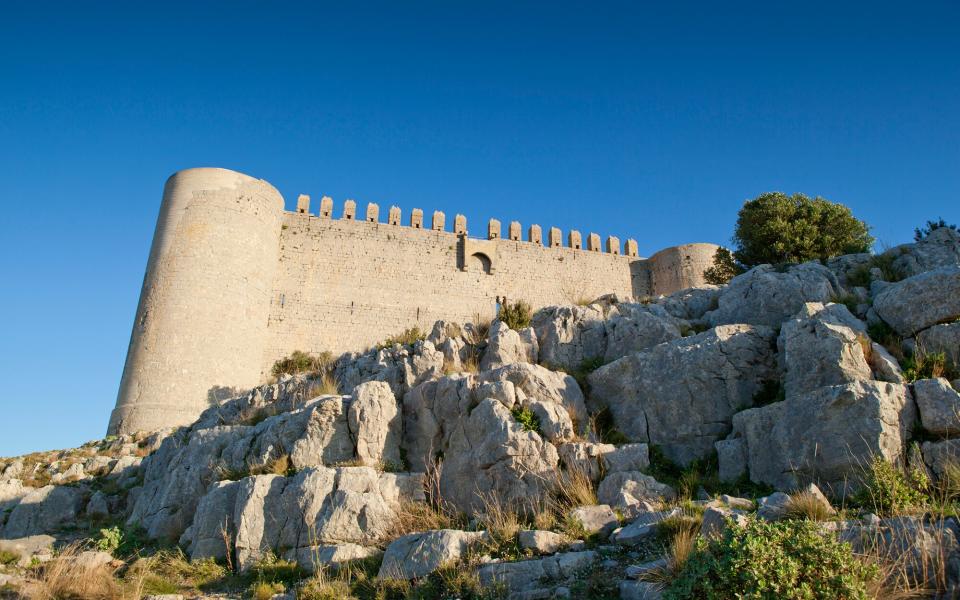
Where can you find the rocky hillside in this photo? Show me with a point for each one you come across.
(571, 458)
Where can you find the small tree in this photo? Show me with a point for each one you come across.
(775, 228)
(724, 268)
(921, 232)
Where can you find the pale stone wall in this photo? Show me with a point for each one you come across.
(346, 285)
(202, 317)
(234, 282)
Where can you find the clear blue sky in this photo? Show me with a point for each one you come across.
(646, 120)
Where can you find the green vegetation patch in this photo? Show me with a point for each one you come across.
(516, 316)
(786, 560)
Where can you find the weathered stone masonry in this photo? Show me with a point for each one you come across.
(235, 282)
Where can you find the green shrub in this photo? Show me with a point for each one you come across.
(407, 338)
(516, 316)
(8, 558)
(301, 362)
(775, 228)
(889, 491)
(784, 560)
(921, 232)
(724, 268)
(121, 541)
(921, 365)
(526, 418)
(109, 539)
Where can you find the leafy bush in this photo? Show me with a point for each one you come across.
(888, 491)
(526, 418)
(724, 268)
(109, 539)
(921, 232)
(775, 228)
(784, 560)
(121, 542)
(408, 337)
(8, 558)
(301, 362)
(516, 316)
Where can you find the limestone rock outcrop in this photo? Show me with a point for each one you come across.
(571, 336)
(376, 424)
(507, 346)
(714, 375)
(921, 301)
(489, 453)
(319, 506)
(767, 296)
(827, 434)
(418, 554)
(42, 510)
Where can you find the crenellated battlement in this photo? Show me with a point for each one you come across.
(235, 281)
(438, 223)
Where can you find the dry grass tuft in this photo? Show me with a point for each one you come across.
(805, 505)
(326, 385)
(575, 488)
(501, 521)
(65, 578)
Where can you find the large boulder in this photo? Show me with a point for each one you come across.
(11, 492)
(692, 304)
(402, 367)
(376, 424)
(942, 338)
(44, 510)
(921, 301)
(941, 248)
(765, 295)
(208, 536)
(490, 454)
(542, 384)
(535, 578)
(682, 395)
(316, 434)
(625, 489)
(943, 458)
(418, 554)
(431, 412)
(569, 336)
(939, 406)
(319, 506)
(636, 327)
(507, 346)
(822, 346)
(826, 435)
(178, 474)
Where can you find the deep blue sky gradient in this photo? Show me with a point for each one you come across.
(646, 120)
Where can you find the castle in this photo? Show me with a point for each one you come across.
(235, 282)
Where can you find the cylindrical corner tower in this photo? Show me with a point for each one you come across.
(202, 318)
(680, 267)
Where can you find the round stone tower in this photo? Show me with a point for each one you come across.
(202, 318)
(680, 267)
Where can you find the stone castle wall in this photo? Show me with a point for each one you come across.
(235, 282)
